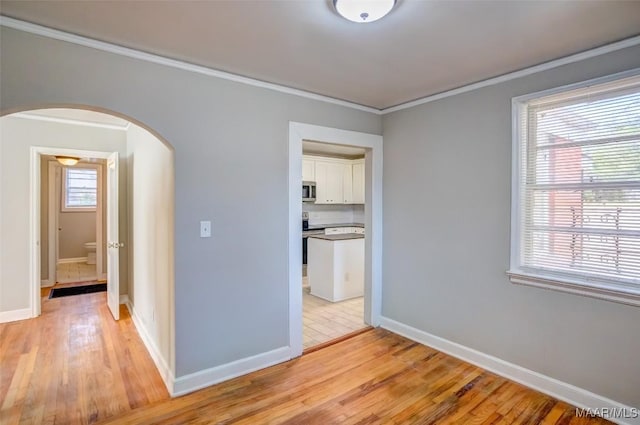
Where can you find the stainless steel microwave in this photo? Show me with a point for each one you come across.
(308, 191)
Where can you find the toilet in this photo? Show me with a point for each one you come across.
(91, 252)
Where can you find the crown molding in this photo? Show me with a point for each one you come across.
(17, 24)
(587, 54)
(161, 60)
(72, 121)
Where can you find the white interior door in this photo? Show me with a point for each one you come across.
(113, 240)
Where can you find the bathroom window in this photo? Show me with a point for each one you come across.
(80, 189)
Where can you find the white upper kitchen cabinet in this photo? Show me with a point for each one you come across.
(358, 181)
(308, 170)
(338, 181)
(347, 183)
(329, 182)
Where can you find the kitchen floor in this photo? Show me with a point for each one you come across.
(324, 320)
(75, 272)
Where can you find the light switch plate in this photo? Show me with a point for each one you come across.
(205, 229)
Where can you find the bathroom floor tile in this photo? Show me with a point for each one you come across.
(75, 272)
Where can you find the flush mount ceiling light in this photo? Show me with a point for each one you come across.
(363, 11)
(67, 160)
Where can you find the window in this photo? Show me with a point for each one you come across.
(576, 189)
(80, 189)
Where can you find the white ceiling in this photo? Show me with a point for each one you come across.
(419, 49)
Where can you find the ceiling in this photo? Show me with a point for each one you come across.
(328, 149)
(419, 49)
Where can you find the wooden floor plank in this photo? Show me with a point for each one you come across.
(373, 378)
(76, 365)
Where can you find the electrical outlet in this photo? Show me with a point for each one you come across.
(205, 229)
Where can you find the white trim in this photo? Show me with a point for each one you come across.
(13, 315)
(205, 378)
(154, 352)
(34, 232)
(46, 283)
(601, 290)
(373, 220)
(52, 212)
(72, 260)
(577, 57)
(148, 57)
(26, 115)
(571, 394)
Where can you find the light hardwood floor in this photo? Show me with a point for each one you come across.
(74, 365)
(374, 378)
(323, 320)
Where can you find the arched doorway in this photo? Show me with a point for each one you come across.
(146, 213)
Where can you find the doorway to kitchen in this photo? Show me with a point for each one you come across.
(337, 291)
(333, 234)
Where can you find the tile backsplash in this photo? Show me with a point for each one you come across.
(329, 214)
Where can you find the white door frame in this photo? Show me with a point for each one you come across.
(373, 221)
(34, 216)
(53, 223)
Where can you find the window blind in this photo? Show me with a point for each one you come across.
(81, 188)
(580, 182)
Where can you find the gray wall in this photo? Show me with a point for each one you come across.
(77, 228)
(447, 186)
(231, 290)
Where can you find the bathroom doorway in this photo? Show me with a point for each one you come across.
(72, 220)
(87, 181)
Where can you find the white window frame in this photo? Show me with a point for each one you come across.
(518, 274)
(63, 192)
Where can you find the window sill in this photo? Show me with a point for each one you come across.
(78, 209)
(602, 290)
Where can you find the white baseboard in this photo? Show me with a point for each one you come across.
(560, 390)
(13, 315)
(45, 283)
(72, 260)
(204, 378)
(154, 352)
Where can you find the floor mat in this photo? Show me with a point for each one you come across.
(78, 290)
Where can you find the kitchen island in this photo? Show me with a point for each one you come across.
(335, 266)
